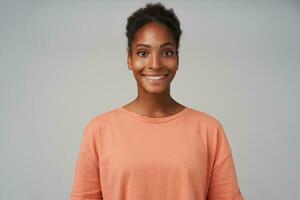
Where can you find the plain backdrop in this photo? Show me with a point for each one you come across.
(64, 62)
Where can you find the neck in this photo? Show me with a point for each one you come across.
(155, 104)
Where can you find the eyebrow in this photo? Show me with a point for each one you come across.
(146, 45)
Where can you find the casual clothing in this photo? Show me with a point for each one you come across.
(126, 156)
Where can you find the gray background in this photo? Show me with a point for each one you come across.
(64, 62)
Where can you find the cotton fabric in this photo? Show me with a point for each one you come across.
(127, 156)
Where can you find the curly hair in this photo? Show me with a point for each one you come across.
(152, 13)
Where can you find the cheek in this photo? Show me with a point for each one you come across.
(172, 63)
(138, 63)
(141, 63)
(138, 67)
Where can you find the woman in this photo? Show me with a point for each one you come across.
(154, 148)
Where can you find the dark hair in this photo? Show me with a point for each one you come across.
(152, 13)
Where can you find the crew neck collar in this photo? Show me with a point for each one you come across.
(153, 119)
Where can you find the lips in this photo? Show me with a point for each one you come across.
(155, 74)
(156, 77)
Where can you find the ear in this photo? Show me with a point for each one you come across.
(129, 60)
(177, 59)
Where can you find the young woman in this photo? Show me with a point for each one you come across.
(154, 148)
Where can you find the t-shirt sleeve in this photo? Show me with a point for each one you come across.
(86, 185)
(224, 183)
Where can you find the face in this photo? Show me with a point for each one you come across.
(153, 58)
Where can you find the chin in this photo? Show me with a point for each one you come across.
(155, 90)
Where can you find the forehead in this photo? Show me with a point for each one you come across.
(153, 34)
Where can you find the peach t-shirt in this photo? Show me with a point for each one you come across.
(126, 156)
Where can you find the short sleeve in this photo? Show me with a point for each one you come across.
(224, 183)
(86, 185)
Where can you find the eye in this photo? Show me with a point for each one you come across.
(142, 53)
(168, 52)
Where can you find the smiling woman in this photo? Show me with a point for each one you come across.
(154, 148)
(153, 59)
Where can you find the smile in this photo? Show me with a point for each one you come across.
(155, 78)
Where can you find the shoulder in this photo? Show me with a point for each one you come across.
(213, 129)
(203, 117)
(102, 118)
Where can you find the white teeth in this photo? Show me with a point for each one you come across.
(155, 77)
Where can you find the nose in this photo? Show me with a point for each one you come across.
(155, 62)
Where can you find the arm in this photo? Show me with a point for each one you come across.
(87, 184)
(223, 184)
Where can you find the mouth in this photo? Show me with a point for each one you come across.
(156, 77)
